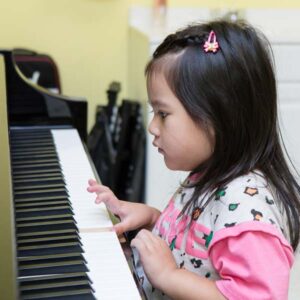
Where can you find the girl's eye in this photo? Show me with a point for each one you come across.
(159, 113)
(162, 114)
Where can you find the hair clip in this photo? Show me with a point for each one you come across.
(211, 45)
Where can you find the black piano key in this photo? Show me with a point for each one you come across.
(30, 187)
(52, 264)
(18, 137)
(41, 213)
(38, 136)
(53, 281)
(25, 146)
(46, 233)
(32, 162)
(37, 175)
(36, 167)
(16, 173)
(38, 181)
(16, 146)
(40, 202)
(36, 211)
(49, 237)
(36, 155)
(28, 203)
(45, 207)
(32, 152)
(40, 238)
(44, 221)
(40, 193)
(30, 200)
(26, 152)
(49, 215)
(46, 226)
(29, 133)
(36, 241)
(74, 293)
(50, 247)
(25, 156)
(33, 143)
(37, 198)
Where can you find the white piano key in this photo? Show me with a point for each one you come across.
(77, 171)
(106, 261)
(109, 270)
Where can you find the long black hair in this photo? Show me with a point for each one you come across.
(234, 91)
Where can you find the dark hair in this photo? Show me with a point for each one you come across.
(233, 90)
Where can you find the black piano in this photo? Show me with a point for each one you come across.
(54, 240)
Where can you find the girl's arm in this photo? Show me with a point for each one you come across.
(253, 264)
(186, 285)
(132, 215)
(163, 273)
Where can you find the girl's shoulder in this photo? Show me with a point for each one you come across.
(248, 198)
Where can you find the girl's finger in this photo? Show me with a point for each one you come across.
(139, 244)
(97, 188)
(145, 239)
(120, 228)
(92, 182)
(98, 200)
(109, 199)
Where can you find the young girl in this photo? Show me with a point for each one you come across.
(230, 230)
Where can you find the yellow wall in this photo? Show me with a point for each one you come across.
(86, 38)
(225, 3)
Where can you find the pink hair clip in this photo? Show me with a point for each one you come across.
(211, 45)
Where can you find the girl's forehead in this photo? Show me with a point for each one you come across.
(158, 86)
(164, 65)
(154, 76)
(155, 80)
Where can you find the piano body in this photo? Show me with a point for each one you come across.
(55, 242)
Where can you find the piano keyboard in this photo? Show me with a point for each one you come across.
(64, 247)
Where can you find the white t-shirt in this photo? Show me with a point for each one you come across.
(246, 204)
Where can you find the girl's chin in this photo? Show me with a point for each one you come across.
(173, 166)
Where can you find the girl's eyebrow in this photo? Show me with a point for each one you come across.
(157, 103)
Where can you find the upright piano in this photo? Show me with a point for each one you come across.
(55, 242)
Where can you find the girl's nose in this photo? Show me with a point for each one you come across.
(153, 128)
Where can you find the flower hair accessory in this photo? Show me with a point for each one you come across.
(211, 45)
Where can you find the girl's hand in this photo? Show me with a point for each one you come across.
(156, 257)
(132, 215)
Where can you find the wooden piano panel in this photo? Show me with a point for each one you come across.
(7, 258)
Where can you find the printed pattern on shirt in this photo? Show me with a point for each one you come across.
(247, 198)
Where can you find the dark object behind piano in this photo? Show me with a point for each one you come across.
(31, 105)
(40, 68)
(117, 144)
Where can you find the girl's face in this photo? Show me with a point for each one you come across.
(183, 143)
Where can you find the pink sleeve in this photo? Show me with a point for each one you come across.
(253, 261)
